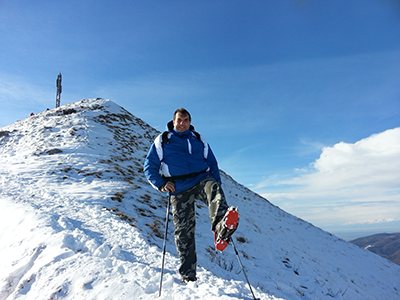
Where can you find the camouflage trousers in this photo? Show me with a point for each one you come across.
(209, 192)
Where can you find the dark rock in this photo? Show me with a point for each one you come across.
(53, 151)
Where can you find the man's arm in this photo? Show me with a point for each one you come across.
(152, 168)
(213, 164)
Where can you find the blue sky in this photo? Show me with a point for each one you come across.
(274, 86)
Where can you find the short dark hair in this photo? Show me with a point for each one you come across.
(184, 112)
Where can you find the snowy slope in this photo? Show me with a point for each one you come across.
(78, 220)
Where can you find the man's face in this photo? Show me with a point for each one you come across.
(181, 122)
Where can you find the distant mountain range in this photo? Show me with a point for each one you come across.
(384, 244)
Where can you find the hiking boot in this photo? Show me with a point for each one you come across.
(188, 279)
(225, 228)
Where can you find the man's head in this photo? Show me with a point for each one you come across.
(182, 120)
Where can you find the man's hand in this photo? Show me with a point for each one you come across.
(169, 187)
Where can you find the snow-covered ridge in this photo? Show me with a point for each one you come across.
(78, 220)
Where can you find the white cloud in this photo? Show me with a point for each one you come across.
(347, 184)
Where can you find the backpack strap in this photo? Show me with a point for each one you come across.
(165, 138)
(197, 135)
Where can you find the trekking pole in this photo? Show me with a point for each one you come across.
(165, 243)
(244, 273)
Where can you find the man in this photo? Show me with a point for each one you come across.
(182, 164)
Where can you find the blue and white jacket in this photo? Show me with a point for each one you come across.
(183, 154)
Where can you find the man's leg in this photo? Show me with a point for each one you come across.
(224, 221)
(185, 222)
(210, 192)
